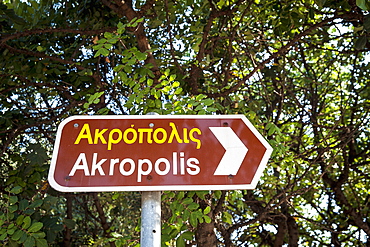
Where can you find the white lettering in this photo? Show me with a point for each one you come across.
(157, 164)
(140, 171)
(83, 166)
(122, 167)
(179, 165)
(97, 166)
(174, 165)
(182, 163)
(111, 166)
(191, 166)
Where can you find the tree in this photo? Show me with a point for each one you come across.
(297, 69)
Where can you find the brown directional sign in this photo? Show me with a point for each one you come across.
(152, 153)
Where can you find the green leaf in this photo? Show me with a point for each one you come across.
(131, 61)
(201, 112)
(180, 242)
(226, 217)
(97, 47)
(30, 242)
(367, 23)
(37, 203)
(101, 41)
(13, 208)
(361, 43)
(16, 190)
(102, 51)
(150, 82)
(11, 230)
(12, 243)
(207, 210)
(28, 211)
(217, 194)
(179, 207)
(17, 235)
(179, 195)
(208, 102)
(141, 56)
(212, 109)
(116, 235)
(172, 78)
(188, 235)
(200, 97)
(178, 90)
(187, 200)
(41, 242)
(193, 219)
(120, 28)
(38, 234)
(3, 236)
(23, 237)
(35, 227)
(207, 219)
(175, 84)
(108, 35)
(198, 108)
(13, 199)
(69, 223)
(12, 15)
(26, 222)
(94, 97)
(151, 103)
(251, 115)
(186, 215)
(134, 22)
(272, 130)
(193, 206)
(19, 220)
(48, 202)
(361, 4)
(201, 194)
(108, 47)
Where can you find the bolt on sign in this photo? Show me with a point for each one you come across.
(154, 152)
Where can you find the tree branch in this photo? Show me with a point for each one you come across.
(284, 49)
(53, 30)
(124, 8)
(42, 55)
(102, 218)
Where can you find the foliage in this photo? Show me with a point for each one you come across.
(297, 69)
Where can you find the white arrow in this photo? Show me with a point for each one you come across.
(235, 151)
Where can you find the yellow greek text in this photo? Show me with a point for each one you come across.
(132, 135)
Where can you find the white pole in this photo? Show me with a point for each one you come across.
(150, 235)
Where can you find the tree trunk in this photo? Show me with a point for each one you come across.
(205, 235)
(68, 231)
(103, 219)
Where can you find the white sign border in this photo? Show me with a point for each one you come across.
(250, 186)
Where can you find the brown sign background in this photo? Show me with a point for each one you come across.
(66, 152)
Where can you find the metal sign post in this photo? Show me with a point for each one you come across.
(150, 235)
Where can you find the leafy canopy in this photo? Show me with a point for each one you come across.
(297, 69)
